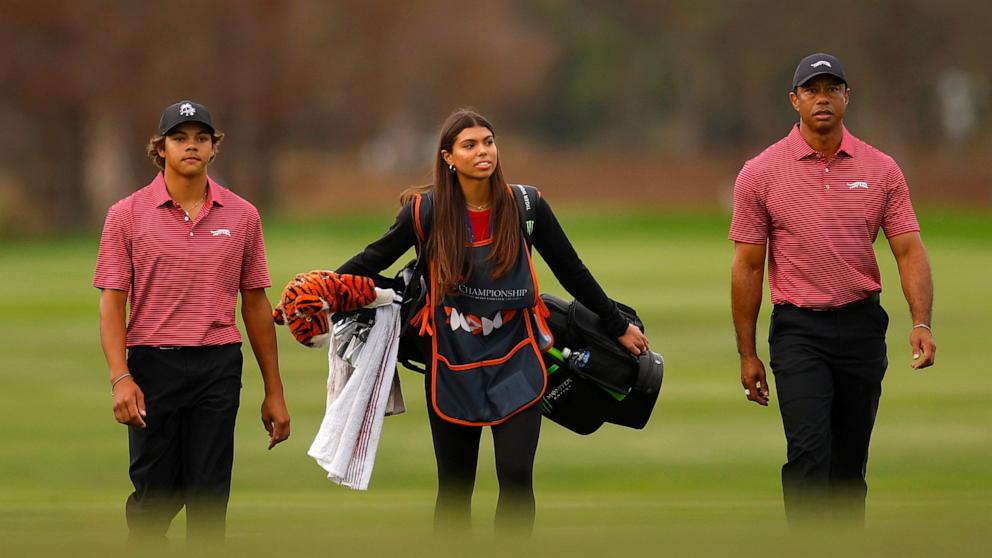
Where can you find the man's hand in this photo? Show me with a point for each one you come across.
(753, 380)
(257, 313)
(129, 403)
(924, 349)
(746, 277)
(634, 340)
(917, 285)
(275, 419)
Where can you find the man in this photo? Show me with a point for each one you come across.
(817, 199)
(179, 250)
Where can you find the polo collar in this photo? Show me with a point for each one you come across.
(215, 194)
(801, 150)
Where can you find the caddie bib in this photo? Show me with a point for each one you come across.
(486, 358)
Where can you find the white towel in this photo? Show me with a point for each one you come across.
(345, 445)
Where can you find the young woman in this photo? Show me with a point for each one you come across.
(483, 315)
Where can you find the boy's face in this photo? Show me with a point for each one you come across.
(188, 149)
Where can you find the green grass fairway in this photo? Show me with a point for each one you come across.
(701, 479)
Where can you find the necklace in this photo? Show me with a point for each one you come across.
(481, 207)
(196, 205)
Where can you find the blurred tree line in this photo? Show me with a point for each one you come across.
(84, 82)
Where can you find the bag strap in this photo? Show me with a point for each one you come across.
(423, 208)
(526, 197)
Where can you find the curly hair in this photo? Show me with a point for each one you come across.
(158, 142)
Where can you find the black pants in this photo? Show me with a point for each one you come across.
(456, 450)
(828, 368)
(184, 455)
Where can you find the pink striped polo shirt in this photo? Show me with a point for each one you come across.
(183, 277)
(819, 217)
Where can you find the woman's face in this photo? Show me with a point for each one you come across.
(473, 153)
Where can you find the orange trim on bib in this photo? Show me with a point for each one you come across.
(480, 243)
(541, 309)
(492, 362)
(540, 359)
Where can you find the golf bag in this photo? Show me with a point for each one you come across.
(592, 379)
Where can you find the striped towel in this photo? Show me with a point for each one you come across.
(345, 445)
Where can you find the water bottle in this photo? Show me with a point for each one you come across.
(577, 360)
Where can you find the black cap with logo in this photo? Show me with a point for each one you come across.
(184, 111)
(817, 65)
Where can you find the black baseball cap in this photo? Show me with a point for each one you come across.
(184, 111)
(817, 65)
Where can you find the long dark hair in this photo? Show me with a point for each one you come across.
(449, 228)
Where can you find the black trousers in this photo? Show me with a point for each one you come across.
(828, 368)
(184, 455)
(456, 450)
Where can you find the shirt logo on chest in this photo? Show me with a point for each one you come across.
(227, 232)
(856, 185)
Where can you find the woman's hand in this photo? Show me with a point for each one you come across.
(633, 340)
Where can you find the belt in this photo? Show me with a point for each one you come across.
(869, 300)
(181, 347)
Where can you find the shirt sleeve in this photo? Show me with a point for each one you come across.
(114, 269)
(899, 217)
(384, 252)
(550, 240)
(750, 221)
(254, 268)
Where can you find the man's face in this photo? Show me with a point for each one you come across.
(821, 103)
(188, 149)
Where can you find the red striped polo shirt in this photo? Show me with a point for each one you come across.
(819, 217)
(183, 277)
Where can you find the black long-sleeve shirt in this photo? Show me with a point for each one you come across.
(548, 238)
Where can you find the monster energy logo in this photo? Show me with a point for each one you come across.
(549, 399)
(530, 227)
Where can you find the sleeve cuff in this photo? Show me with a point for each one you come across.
(903, 230)
(112, 285)
(616, 324)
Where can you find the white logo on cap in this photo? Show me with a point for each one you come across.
(186, 109)
(821, 63)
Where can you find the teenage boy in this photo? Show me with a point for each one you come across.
(179, 251)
